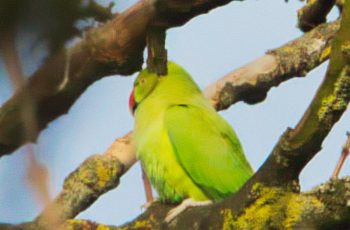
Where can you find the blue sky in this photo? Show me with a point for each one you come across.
(209, 46)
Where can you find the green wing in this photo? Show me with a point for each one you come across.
(208, 149)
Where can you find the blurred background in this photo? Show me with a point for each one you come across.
(208, 47)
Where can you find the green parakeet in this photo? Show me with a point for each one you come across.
(185, 147)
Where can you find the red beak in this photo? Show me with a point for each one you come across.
(132, 104)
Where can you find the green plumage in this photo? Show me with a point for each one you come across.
(186, 148)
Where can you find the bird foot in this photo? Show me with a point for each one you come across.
(183, 206)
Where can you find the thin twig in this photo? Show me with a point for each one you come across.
(147, 186)
(37, 174)
(157, 54)
(344, 154)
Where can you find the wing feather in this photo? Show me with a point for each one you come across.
(208, 149)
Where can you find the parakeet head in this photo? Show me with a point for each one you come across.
(143, 86)
(179, 84)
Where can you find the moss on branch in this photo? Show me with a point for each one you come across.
(325, 207)
(269, 208)
(96, 175)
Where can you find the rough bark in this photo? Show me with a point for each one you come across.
(251, 82)
(157, 54)
(325, 207)
(314, 13)
(95, 176)
(270, 208)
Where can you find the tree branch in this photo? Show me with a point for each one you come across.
(270, 208)
(326, 207)
(114, 48)
(251, 82)
(314, 13)
(95, 176)
(343, 155)
(157, 54)
(37, 174)
(57, 84)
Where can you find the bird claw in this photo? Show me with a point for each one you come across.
(183, 206)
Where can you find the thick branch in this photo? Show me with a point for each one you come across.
(325, 207)
(95, 176)
(251, 82)
(63, 79)
(270, 208)
(314, 13)
(81, 188)
(114, 48)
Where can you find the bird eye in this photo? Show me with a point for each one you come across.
(142, 81)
